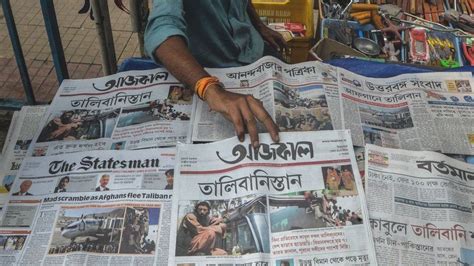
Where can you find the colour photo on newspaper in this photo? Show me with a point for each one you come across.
(296, 202)
(81, 173)
(420, 206)
(128, 110)
(94, 228)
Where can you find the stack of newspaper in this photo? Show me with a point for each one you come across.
(108, 174)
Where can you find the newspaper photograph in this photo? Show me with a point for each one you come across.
(95, 229)
(412, 119)
(129, 110)
(420, 206)
(100, 171)
(22, 133)
(107, 228)
(298, 97)
(296, 202)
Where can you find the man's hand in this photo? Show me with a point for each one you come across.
(272, 37)
(243, 111)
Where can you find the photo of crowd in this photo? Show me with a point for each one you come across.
(339, 180)
(140, 231)
(223, 227)
(95, 230)
(311, 209)
(79, 125)
(12, 242)
(342, 211)
(157, 110)
(301, 109)
(394, 118)
(62, 184)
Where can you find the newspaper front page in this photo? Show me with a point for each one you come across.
(420, 206)
(94, 228)
(84, 207)
(22, 133)
(415, 118)
(297, 202)
(128, 110)
(299, 97)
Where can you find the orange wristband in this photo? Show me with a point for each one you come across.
(201, 85)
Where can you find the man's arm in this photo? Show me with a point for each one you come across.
(241, 110)
(272, 37)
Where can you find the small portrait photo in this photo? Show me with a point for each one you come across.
(103, 183)
(118, 145)
(79, 125)
(298, 210)
(12, 242)
(180, 95)
(285, 262)
(87, 229)
(22, 145)
(339, 180)
(24, 188)
(169, 178)
(244, 83)
(236, 226)
(40, 151)
(140, 231)
(62, 184)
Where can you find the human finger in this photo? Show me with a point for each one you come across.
(262, 115)
(236, 119)
(249, 121)
(272, 42)
(281, 41)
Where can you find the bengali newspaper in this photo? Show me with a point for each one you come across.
(296, 202)
(420, 206)
(416, 117)
(299, 97)
(20, 136)
(128, 110)
(106, 207)
(439, 81)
